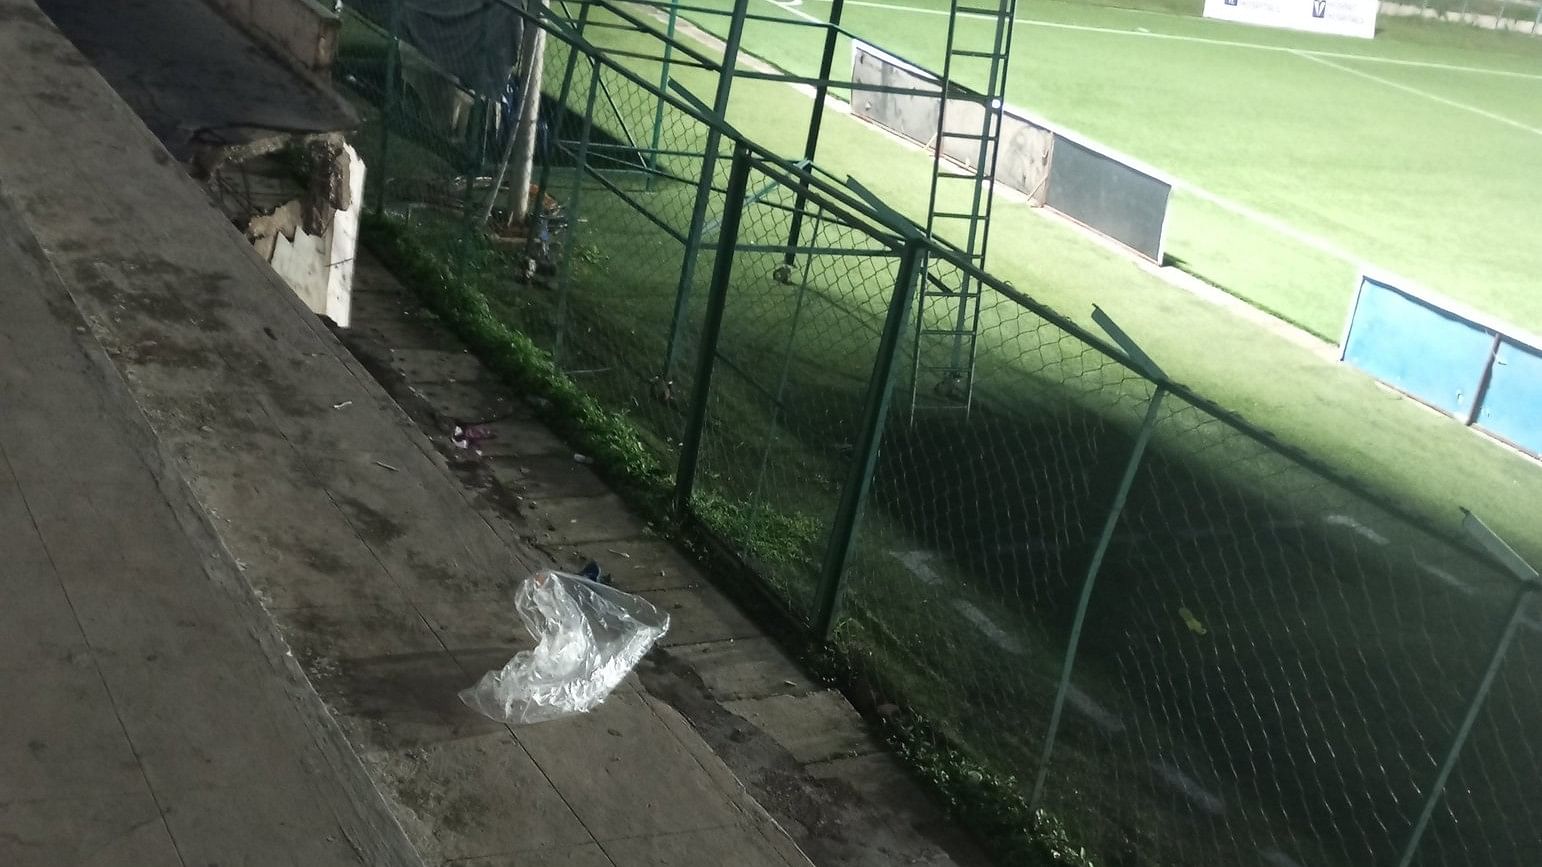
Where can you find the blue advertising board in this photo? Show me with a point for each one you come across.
(1512, 403)
(1417, 347)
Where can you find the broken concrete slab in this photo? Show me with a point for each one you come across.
(813, 728)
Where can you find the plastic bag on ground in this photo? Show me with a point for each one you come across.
(589, 636)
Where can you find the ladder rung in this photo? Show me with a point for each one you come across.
(966, 135)
(961, 176)
(946, 368)
(981, 10)
(951, 215)
(970, 52)
(944, 331)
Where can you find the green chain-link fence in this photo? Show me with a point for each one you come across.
(1186, 642)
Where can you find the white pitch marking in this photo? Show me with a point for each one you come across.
(791, 6)
(1448, 579)
(988, 627)
(1205, 40)
(1101, 716)
(1480, 112)
(1278, 859)
(1359, 528)
(919, 564)
(1190, 788)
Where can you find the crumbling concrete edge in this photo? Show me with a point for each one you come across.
(364, 817)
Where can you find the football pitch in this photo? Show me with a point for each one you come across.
(1296, 157)
(1388, 443)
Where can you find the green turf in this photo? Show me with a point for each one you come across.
(1434, 190)
(1391, 444)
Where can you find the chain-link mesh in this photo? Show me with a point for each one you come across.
(797, 346)
(1269, 664)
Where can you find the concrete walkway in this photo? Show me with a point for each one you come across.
(321, 500)
(142, 723)
(242, 586)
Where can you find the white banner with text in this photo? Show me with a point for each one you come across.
(1341, 17)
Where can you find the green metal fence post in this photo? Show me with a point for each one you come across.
(704, 185)
(815, 121)
(1536, 23)
(875, 414)
(565, 275)
(658, 111)
(712, 326)
(1529, 582)
(1121, 496)
(388, 103)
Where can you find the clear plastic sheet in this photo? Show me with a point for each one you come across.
(589, 636)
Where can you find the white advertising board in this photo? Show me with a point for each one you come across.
(1340, 17)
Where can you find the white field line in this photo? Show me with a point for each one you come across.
(1359, 528)
(1229, 43)
(1276, 858)
(1189, 788)
(1274, 224)
(791, 6)
(988, 627)
(1101, 716)
(1484, 113)
(1448, 579)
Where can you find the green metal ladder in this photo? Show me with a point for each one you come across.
(948, 304)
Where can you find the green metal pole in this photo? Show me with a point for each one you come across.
(1121, 496)
(1528, 584)
(388, 102)
(658, 111)
(815, 121)
(706, 357)
(704, 185)
(566, 274)
(1536, 23)
(875, 414)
